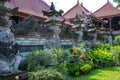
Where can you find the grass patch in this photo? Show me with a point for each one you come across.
(111, 73)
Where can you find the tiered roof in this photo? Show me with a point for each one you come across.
(27, 7)
(78, 9)
(31, 7)
(107, 10)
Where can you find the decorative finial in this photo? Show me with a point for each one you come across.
(81, 3)
(107, 0)
(52, 7)
(77, 1)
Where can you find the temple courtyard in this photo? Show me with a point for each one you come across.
(38, 42)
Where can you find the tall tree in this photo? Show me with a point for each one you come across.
(117, 1)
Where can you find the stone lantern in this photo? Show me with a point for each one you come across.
(54, 24)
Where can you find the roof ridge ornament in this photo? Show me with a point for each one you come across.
(52, 11)
(77, 1)
(81, 3)
(108, 1)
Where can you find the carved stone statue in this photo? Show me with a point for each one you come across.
(28, 25)
(9, 56)
(54, 24)
(80, 35)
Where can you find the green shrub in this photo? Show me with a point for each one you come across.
(38, 60)
(92, 64)
(86, 68)
(117, 40)
(74, 65)
(66, 62)
(102, 46)
(56, 58)
(77, 73)
(80, 50)
(116, 54)
(72, 69)
(100, 57)
(46, 74)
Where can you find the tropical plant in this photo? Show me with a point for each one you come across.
(85, 68)
(39, 59)
(100, 58)
(116, 54)
(117, 40)
(80, 50)
(102, 46)
(118, 2)
(91, 63)
(56, 58)
(74, 65)
(46, 74)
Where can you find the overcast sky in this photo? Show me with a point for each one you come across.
(91, 5)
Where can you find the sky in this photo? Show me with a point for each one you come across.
(91, 5)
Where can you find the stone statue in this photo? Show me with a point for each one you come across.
(80, 35)
(9, 55)
(28, 25)
(54, 24)
(9, 58)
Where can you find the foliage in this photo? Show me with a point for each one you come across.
(117, 1)
(56, 58)
(116, 54)
(46, 74)
(102, 46)
(80, 50)
(118, 22)
(86, 68)
(92, 64)
(74, 65)
(38, 60)
(69, 62)
(100, 58)
(73, 61)
(61, 58)
(117, 40)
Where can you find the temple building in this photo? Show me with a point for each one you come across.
(111, 16)
(28, 7)
(35, 37)
(93, 30)
(79, 9)
(29, 12)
